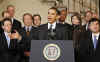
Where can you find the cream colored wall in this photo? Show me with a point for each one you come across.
(34, 7)
(3, 6)
(30, 6)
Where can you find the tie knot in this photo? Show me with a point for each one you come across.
(51, 26)
(27, 28)
(95, 36)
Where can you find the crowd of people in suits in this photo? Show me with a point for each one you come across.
(15, 40)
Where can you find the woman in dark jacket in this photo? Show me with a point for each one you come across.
(77, 30)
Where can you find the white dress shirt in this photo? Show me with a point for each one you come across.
(87, 25)
(53, 25)
(26, 27)
(7, 38)
(97, 36)
(12, 20)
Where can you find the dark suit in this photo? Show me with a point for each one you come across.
(87, 52)
(27, 44)
(12, 54)
(61, 32)
(1, 30)
(84, 28)
(77, 30)
(16, 24)
(68, 26)
(32, 36)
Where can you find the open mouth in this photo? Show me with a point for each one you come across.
(49, 18)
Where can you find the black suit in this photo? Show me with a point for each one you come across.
(27, 44)
(61, 32)
(16, 24)
(12, 54)
(77, 30)
(87, 52)
(32, 36)
(68, 26)
(1, 30)
(84, 28)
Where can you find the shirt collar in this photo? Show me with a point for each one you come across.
(53, 25)
(12, 19)
(97, 35)
(6, 34)
(28, 27)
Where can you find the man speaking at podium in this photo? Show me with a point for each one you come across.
(53, 30)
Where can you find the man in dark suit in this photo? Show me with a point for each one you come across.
(16, 23)
(53, 30)
(62, 18)
(5, 14)
(28, 32)
(1, 30)
(88, 16)
(90, 43)
(11, 43)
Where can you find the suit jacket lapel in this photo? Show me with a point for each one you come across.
(5, 41)
(98, 41)
(57, 26)
(25, 31)
(91, 41)
(13, 43)
(43, 32)
(31, 32)
(46, 32)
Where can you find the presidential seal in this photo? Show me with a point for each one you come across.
(51, 52)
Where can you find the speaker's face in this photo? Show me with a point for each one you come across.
(52, 15)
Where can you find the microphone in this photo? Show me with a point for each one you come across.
(51, 34)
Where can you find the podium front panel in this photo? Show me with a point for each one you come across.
(52, 51)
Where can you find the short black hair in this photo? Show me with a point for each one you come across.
(94, 20)
(36, 15)
(57, 11)
(4, 20)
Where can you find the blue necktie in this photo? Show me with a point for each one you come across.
(8, 40)
(95, 42)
